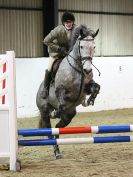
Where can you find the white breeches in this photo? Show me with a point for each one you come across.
(51, 61)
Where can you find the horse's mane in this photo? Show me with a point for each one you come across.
(80, 31)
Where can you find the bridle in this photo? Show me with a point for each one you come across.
(88, 58)
(81, 58)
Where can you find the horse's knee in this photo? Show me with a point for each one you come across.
(63, 123)
(95, 88)
(65, 120)
(92, 88)
(72, 114)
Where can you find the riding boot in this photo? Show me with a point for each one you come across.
(47, 80)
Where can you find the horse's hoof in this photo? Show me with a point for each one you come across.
(59, 156)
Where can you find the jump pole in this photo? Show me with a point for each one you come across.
(8, 115)
(65, 141)
(75, 130)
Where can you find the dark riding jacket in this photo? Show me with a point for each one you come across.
(58, 37)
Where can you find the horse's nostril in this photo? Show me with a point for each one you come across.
(87, 71)
(84, 70)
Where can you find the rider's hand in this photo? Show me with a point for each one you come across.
(62, 50)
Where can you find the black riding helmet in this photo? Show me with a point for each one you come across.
(67, 16)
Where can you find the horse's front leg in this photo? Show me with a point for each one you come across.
(95, 88)
(91, 89)
(57, 152)
(65, 119)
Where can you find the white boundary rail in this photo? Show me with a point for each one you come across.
(8, 111)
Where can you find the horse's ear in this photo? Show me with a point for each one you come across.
(84, 31)
(81, 32)
(96, 33)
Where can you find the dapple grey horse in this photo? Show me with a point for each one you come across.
(72, 82)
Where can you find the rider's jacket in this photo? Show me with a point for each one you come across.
(58, 37)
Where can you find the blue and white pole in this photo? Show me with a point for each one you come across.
(65, 141)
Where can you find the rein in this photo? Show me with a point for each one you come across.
(79, 71)
(96, 69)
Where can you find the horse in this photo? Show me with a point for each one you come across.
(72, 82)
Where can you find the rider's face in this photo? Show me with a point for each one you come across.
(68, 24)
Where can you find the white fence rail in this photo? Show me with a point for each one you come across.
(8, 112)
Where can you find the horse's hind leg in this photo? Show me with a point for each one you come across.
(45, 123)
(45, 118)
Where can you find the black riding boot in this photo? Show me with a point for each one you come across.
(47, 80)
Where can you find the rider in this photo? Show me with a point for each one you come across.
(58, 42)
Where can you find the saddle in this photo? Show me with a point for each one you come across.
(54, 68)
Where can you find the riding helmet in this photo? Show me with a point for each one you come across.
(67, 16)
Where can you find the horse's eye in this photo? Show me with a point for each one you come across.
(81, 47)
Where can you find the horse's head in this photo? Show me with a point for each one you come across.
(87, 48)
(83, 40)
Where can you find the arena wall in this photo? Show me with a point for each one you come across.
(115, 80)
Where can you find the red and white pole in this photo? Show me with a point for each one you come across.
(4, 83)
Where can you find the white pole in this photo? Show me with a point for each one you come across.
(12, 109)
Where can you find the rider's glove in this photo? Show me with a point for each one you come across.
(62, 50)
